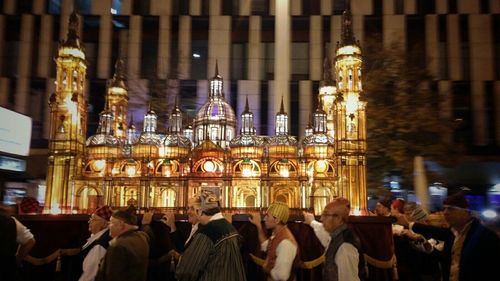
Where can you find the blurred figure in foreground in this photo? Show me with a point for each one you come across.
(471, 251)
(16, 241)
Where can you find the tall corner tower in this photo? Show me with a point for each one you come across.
(117, 97)
(350, 123)
(327, 94)
(68, 117)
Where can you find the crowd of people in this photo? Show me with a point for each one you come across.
(118, 249)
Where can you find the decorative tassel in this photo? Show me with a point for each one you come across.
(58, 264)
(172, 264)
(395, 274)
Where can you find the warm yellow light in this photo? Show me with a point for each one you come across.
(209, 166)
(351, 104)
(321, 166)
(327, 90)
(72, 52)
(284, 168)
(117, 90)
(246, 168)
(167, 168)
(98, 165)
(55, 210)
(115, 171)
(348, 50)
(130, 170)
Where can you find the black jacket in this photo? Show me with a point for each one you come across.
(480, 252)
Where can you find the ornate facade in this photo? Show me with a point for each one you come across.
(119, 166)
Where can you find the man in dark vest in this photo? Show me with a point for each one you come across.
(343, 258)
(88, 260)
(13, 234)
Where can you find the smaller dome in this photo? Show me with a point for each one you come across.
(216, 109)
(177, 141)
(316, 139)
(150, 138)
(282, 140)
(247, 140)
(101, 140)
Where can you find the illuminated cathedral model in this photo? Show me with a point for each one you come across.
(120, 165)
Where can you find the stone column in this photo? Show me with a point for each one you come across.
(105, 46)
(24, 64)
(316, 48)
(184, 55)
(305, 108)
(254, 48)
(281, 62)
(45, 59)
(134, 47)
(164, 44)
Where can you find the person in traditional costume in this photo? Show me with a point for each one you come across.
(281, 247)
(214, 250)
(86, 263)
(128, 251)
(343, 257)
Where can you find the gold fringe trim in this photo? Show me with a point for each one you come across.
(313, 263)
(389, 264)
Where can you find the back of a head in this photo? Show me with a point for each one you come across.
(127, 215)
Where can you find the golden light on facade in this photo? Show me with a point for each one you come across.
(321, 166)
(349, 50)
(284, 168)
(351, 104)
(99, 165)
(209, 166)
(77, 53)
(130, 168)
(167, 168)
(246, 168)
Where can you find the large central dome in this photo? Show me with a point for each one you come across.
(216, 119)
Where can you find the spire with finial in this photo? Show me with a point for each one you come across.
(73, 38)
(281, 120)
(282, 107)
(217, 75)
(328, 74)
(150, 121)
(118, 80)
(175, 122)
(319, 119)
(106, 120)
(216, 84)
(247, 127)
(247, 108)
(347, 36)
(131, 132)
